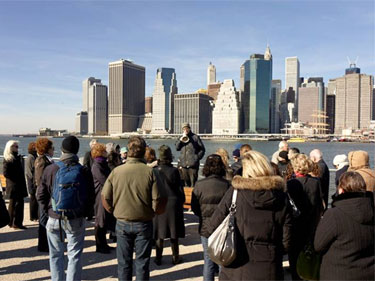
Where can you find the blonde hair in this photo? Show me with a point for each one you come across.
(8, 156)
(224, 156)
(301, 164)
(255, 164)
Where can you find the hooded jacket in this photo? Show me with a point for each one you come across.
(345, 238)
(359, 162)
(263, 221)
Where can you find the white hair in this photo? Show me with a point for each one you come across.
(316, 155)
(282, 144)
(8, 156)
(110, 147)
(92, 142)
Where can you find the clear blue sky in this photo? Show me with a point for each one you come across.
(48, 47)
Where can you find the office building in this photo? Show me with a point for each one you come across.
(126, 99)
(275, 106)
(85, 91)
(213, 90)
(292, 79)
(98, 109)
(81, 123)
(354, 101)
(312, 103)
(211, 74)
(163, 100)
(244, 95)
(226, 112)
(148, 105)
(194, 108)
(260, 92)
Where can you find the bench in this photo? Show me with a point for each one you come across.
(188, 192)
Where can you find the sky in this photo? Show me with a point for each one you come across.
(47, 48)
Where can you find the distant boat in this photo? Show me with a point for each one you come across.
(296, 140)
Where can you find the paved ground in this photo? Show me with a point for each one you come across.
(20, 260)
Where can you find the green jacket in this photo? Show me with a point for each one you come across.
(131, 191)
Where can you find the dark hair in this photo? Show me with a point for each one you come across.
(150, 155)
(245, 148)
(352, 182)
(136, 147)
(294, 149)
(43, 145)
(275, 168)
(214, 166)
(31, 147)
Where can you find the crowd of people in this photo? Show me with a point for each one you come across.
(137, 197)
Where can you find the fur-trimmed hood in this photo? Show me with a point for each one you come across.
(259, 183)
(261, 192)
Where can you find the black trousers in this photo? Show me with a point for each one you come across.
(34, 215)
(159, 245)
(15, 210)
(100, 237)
(42, 239)
(190, 176)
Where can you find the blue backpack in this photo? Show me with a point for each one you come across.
(69, 191)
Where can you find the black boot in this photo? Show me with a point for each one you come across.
(175, 252)
(159, 251)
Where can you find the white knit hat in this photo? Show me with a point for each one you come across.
(340, 160)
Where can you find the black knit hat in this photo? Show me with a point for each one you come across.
(284, 155)
(165, 153)
(70, 145)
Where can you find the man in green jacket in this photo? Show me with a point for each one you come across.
(131, 193)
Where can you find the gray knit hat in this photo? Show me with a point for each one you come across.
(186, 125)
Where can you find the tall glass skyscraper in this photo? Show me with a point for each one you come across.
(260, 77)
(163, 100)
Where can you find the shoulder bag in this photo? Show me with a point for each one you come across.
(222, 242)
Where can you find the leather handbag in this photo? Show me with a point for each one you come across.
(4, 215)
(222, 242)
(308, 263)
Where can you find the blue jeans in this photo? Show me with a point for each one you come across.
(74, 231)
(209, 267)
(132, 235)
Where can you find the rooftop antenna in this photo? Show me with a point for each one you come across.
(351, 63)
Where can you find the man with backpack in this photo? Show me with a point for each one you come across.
(66, 193)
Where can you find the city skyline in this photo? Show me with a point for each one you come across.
(42, 65)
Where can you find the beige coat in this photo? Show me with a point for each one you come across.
(359, 162)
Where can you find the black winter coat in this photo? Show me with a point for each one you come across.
(170, 224)
(100, 172)
(324, 179)
(306, 194)
(15, 178)
(263, 219)
(87, 160)
(345, 238)
(191, 152)
(206, 197)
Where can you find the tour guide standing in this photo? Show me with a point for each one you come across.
(63, 182)
(192, 150)
(131, 193)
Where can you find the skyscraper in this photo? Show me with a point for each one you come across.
(81, 123)
(244, 95)
(85, 91)
(98, 109)
(163, 100)
(226, 113)
(260, 92)
(211, 74)
(148, 105)
(311, 100)
(194, 108)
(354, 101)
(292, 79)
(126, 100)
(275, 106)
